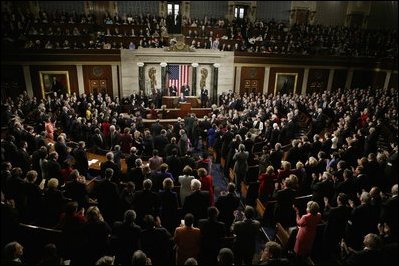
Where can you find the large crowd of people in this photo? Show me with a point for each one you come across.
(62, 30)
(346, 159)
(323, 166)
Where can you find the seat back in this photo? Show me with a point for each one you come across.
(252, 174)
(282, 236)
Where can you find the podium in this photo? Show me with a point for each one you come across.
(185, 107)
(172, 101)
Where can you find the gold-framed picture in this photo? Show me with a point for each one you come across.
(285, 83)
(54, 81)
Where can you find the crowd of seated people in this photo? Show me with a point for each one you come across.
(73, 31)
(271, 37)
(46, 176)
(61, 30)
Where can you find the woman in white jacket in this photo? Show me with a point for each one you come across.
(185, 183)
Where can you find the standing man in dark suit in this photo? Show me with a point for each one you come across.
(212, 233)
(197, 202)
(364, 218)
(146, 202)
(107, 194)
(52, 167)
(204, 97)
(389, 212)
(127, 234)
(246, 232)
(156, 128)
(61, 149)
(111, 164)
(186, 90)
(337, 219)
(160, 141)
(172, 91)
(77, 190)
(227, 203)
(81, 161)
(98, 140)
(283, 211)
(24, 160)
(112, 138)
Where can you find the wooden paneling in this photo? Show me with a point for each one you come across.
(98, 75)
(252, 79)
(275, 70)
(317, 80)
(316, 60)
(81, 55)
(393, 81)
(339, 79)
(361, 79)
(34, 72)
(12, 81)
(378, 79)
(364, 78)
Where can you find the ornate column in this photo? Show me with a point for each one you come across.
(305, 81)
(215, 83)
(81, 83)
(330, 79)
(163, 78)
(141, 76)
(302, 12)
(266, 80)
(194, 78)
(357, 13)
(387, 79)
(163, 8)
(185, 8)
(349, 78)
(28, 80)
(238, 79)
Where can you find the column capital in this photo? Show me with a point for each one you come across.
(216, 65)
(163, 64)
(194, 64)
(140, 64)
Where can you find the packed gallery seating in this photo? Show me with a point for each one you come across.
(80, 31)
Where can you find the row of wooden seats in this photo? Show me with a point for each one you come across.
(216, 31)
(61, 38)
(63, 26)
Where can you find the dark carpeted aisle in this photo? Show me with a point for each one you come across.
(219, 181)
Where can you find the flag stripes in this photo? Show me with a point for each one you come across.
(178, 76)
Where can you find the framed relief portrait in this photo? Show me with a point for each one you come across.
(54, 81)
(285, 83)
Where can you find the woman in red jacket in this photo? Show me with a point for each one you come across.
(266, 185)
(307, 229)
(207, 184)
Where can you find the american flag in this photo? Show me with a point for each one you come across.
(178, 76)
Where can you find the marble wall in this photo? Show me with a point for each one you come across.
(152, 57)
(211, 9)
(137, 7)
(62, 6)
(331, 13)
(277, 10)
